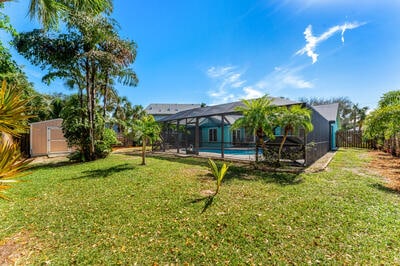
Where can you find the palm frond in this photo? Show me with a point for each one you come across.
(12, 110)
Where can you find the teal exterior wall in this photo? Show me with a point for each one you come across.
(334, 128)
(227, 136)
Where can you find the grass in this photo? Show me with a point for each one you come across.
(114, 211)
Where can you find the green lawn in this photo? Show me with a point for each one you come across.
(114, 211)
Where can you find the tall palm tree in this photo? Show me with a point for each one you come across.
(147, 130)
(292, 118)
(48, 12)
(258, 117)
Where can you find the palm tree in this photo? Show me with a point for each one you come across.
(146, 130)
(291, 119)
(362, 115)
(13, 122)
(258, 117)
(48, 12)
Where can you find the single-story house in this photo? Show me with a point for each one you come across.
(331, 113)
(208, 128)
(162, 110)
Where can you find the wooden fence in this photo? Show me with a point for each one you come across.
(353, 139)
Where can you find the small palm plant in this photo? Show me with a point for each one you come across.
(290, 119)
(146, 130)
(218, 173)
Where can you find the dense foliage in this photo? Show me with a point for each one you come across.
(384, 122)
(90, 57)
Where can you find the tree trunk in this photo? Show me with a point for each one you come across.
(143, 151)
(259, 138)
(105, 96)
(281, 146)
(256, 150)
(89, 108)
(92, 111)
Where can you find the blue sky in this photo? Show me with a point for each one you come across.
(217, 51)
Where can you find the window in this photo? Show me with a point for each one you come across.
(277, 131)
(235, 136)
(212, 135)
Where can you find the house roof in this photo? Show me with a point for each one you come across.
(328, 111)
(226, 108)
(168, 108)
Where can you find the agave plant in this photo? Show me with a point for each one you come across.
(218, 173)
(12, 123)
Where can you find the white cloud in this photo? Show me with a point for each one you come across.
(251, 93)
(216, 72)
(228, 80)
(229, 85)
(313, 41)
(284, 78)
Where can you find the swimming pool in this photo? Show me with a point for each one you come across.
(231, 151)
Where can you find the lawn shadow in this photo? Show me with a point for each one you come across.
(241, 171)
(208, 200)
(105, 172)
(184, 160)
(248, 174)
(386, 189)
(50, 165)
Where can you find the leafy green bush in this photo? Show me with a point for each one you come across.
(104, 147)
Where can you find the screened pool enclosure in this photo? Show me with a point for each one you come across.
(207, 131)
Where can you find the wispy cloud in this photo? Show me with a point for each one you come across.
(313, 41)
(230, 86)
(228, 80)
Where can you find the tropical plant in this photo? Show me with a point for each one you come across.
(146, 130)
(358, 116)
(104, 146)
(13, 120)
(218, 173)
(89, 56)
(383, 123)
(49, 12)
(292, 118)
(258, 118)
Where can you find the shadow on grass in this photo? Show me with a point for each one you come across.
(105, 172)
(51, 165)
(208, 200)
(385, 189)
(242, 172)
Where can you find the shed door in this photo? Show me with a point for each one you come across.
(56, 142)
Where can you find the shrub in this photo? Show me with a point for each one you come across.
(104, 147)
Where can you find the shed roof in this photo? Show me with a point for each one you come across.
(168, 108)
(328, 111)
(220, 109)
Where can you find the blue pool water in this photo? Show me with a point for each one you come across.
(232, 151)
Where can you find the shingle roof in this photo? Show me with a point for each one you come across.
(328, 111)
(168, 109)
(226, 108)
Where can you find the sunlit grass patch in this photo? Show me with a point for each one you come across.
(116, 211)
